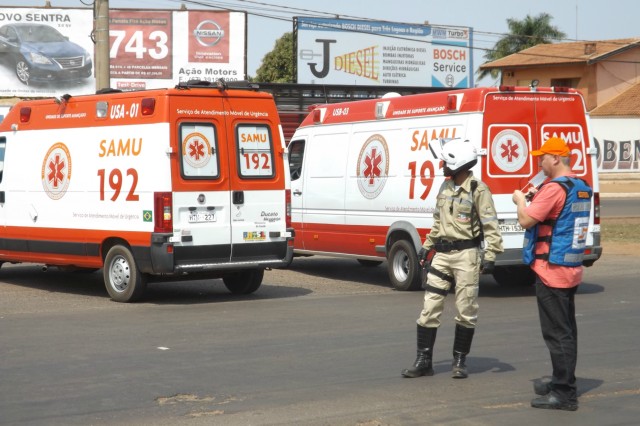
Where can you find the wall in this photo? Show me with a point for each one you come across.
(617, 75)
(618, 143)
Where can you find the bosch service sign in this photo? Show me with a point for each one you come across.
(356, 52)
(373, 166)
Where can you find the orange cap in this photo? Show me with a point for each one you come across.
(553, 146)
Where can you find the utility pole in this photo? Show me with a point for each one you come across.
(101, 39)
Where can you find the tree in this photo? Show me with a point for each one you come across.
(522, 35)
(277, 65)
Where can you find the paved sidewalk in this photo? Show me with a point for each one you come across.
(619, 185)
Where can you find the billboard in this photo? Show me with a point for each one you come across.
(355, 52)
(49, 52)
(45, 52)
(155, 49)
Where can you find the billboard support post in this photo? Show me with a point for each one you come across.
(101, 19)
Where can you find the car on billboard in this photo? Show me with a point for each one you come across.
(40, 53)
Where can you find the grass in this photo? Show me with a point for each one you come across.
(620, 229)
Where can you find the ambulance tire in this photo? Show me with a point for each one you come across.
(403, 266)
(521, 276)
(124, 282)
(369, 263)
(244, 282)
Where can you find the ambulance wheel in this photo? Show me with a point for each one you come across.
(122, 278)
(369, 263)
(244, 282)
(514, 275)
(403, 266)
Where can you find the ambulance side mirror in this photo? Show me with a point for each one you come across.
(1, 197)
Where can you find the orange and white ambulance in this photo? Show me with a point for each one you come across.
(170, 184)
(364, 182)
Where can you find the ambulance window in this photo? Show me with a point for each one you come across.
(199, 151)
(296, 154)
(255, 151)
(3, 144)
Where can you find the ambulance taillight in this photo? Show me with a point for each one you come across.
(163, 222)
(25, 114)
(596, 208)
(287, 200)
(147, 106)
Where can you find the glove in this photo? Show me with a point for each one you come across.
(425, 257)
(422, 254)
(488, 266)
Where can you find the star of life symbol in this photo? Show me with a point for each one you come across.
(509, 151)
(373, 166)
(196, 150)
(56, 171)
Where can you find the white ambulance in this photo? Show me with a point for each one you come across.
(168, 184)
(364, 182)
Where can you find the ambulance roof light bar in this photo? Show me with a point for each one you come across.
(101, 109)
(25, 114)
(452, 103)
(220, 84)
(534, 85)
(318, 115)
(381, 109)
(148, 106)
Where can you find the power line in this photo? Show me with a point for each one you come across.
(281, 9)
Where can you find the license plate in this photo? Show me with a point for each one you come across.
(510, 225)
(197, 217)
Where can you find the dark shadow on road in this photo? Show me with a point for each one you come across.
(490, 289)
(475, 365)
(54, 280)
(584, 385)
(342, 270)
(92, 285)
(590, 288)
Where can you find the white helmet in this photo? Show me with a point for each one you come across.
(458, 155)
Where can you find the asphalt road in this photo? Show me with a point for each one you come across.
(320, 344)
(619, 207)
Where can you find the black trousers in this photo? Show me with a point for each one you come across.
(557, 310)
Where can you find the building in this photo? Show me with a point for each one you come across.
(601, 70)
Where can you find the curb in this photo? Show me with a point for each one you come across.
(620, 195)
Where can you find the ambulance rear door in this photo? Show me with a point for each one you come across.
(257, 177)
(515, 123)
(201, 184)
(510, 133)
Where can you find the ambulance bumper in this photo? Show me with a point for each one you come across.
(165, 258)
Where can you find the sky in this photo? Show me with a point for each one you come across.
(268, 20)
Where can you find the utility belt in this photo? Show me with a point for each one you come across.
(445, 246)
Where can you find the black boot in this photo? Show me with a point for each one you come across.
(422, 366)
(461, 347)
